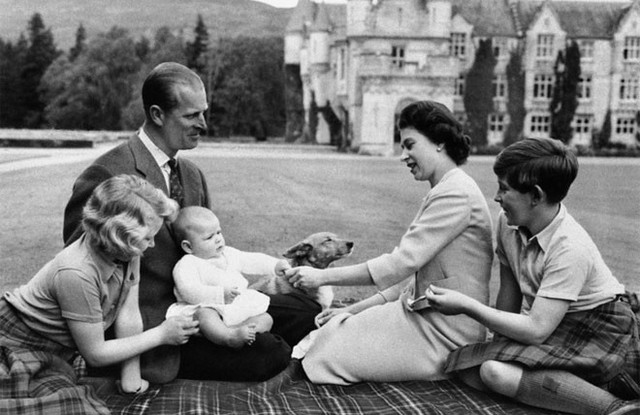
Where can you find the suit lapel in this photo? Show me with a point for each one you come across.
(146, 164)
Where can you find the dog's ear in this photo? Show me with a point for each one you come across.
(301, 249)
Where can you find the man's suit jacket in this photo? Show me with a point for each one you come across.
(156, 283)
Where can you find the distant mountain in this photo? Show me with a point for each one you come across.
(223, 18)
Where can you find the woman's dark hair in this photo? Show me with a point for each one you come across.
(159, 86)
(437, 123)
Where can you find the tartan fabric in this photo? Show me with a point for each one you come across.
(35, 374)
(291, 393)
(594, 345)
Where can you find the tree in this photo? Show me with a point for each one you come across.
(92, 91)
(12, 106)
(515, 106)
(293, 102)
(564, 101)
(602, 138)
(247, 86)
(41, 52)
(81, 37)
(197, 50)
(478, 94)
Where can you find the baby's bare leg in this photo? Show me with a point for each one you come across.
(213, 328)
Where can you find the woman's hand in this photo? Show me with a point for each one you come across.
(304, 277)
(281, 266)
(447, 301)
(177, 330)
(324, 317)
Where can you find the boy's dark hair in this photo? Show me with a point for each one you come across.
(437, 123)
(544, 162)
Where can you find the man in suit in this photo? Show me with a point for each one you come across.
(175, 102)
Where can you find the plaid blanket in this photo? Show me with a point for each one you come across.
(291, 393)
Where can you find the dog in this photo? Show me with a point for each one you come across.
(317, 250)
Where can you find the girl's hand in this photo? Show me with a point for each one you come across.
(230, 294)
(304, 277)
(447, 301)
(324, 317)
(177, 330)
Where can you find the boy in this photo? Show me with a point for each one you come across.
(562, 321)
(209, 281)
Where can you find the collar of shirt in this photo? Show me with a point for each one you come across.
(158, 155)
(106, 267)
(545, 236)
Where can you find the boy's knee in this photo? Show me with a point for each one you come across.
(500, 377)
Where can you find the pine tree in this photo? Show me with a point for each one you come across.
(81, 37)
(197, 50)
(515, 105)
(41, 52)
(565, 92)
(12, 107)
(478, 94)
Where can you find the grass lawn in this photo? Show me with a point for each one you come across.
(267, 201)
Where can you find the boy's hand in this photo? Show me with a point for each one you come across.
(230, 294)
(176, 330)
(446, 301)
(281, 267)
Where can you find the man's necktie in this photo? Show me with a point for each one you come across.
(176, 192)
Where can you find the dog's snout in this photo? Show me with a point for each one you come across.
(349, 244)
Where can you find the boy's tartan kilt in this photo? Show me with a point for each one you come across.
(35, 374)
(599, 345)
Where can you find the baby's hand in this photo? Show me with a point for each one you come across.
(230, 294)
(281, 267)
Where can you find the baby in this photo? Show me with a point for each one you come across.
(210, 281)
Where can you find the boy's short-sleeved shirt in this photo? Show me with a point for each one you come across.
(560, 262)
(78, 284)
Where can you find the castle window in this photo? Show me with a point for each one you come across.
(626, 125)
(629, 88)
(586, 49)
(542, 86)
(496, 123)
(584, 87)
(582, 124)
(544, 47)
(459, 86)
(499, 84)
(540, 124)
(397, 56)
(342, 64)
(500, 47)
(631, 50)
(458, 44)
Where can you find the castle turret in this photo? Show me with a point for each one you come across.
(296, 30)
(319, 37)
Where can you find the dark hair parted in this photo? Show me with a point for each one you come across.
(437, 123)
(159, 88)
(119, 209)
(543, 162)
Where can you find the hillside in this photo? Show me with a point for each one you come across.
(142, 17)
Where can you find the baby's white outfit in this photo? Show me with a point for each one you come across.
(201, 282)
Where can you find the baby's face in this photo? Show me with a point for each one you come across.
(207, 241)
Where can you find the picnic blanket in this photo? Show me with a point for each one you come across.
(290, 392)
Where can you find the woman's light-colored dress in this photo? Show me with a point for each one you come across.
(448, 244)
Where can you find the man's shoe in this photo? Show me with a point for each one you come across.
(630, 408)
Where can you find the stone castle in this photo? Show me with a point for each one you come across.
(365, 60)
